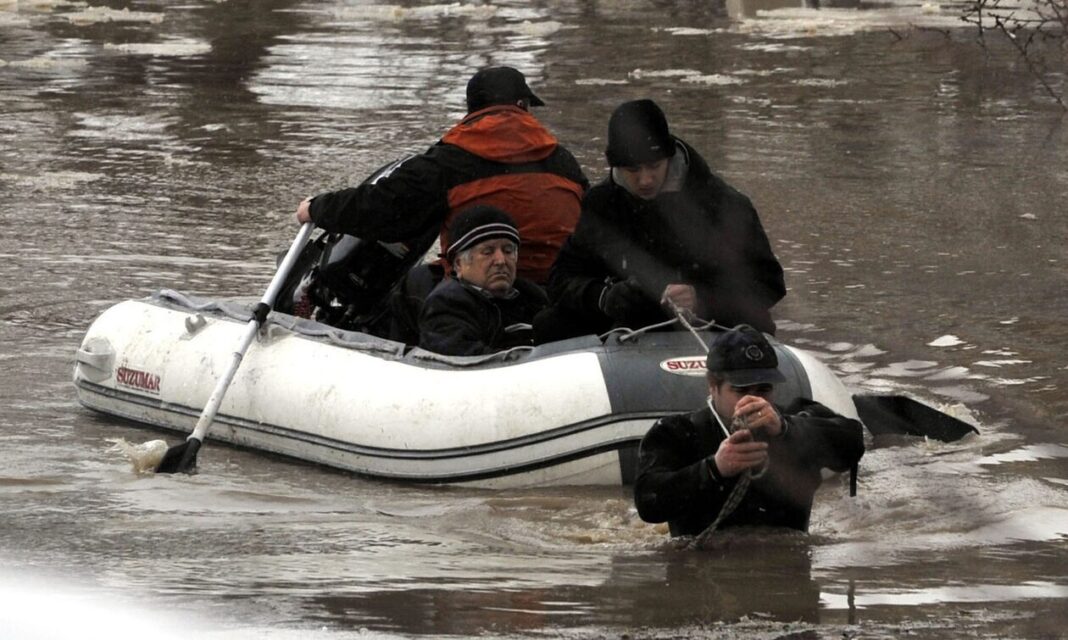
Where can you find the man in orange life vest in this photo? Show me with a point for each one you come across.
(499, 154)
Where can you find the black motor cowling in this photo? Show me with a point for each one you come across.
(345, 281)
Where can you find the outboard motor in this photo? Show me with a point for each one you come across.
(345, 281)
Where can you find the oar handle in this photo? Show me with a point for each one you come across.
(259, 314)
(287, 264)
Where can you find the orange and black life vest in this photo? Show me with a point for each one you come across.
(502, 156)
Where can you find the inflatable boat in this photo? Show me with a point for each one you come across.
(571, 412)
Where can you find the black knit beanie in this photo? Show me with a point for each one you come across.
(477, 224)
(638, 134)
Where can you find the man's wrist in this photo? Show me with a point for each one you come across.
(713, 469)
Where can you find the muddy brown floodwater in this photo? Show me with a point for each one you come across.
(914, 189)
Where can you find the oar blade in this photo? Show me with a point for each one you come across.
(899, 415)
(181, 458)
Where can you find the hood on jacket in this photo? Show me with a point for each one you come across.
(503, 133)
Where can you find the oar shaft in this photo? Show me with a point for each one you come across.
(287, 264)
(217, 395)
(212, 408)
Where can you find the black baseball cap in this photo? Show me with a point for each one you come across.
(743, 357)
(498, 85)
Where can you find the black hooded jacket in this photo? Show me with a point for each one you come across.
(705, 234)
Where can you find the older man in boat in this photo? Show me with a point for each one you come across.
(484, 307)
(499, 154)
(661, 231)
(741, 460)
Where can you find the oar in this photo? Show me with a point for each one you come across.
(896, 415)
(183, 457)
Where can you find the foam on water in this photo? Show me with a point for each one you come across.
(33, 5)
(716, 79)
(8, 19)
(96, 15)
(800, 22)
(538, 29)
(177, 48)
(144, 457)
(599, 82)
(1029, 453)
(689, 31)
(126, 127)
(689, 76)
(47, 63)
(51, 180)
(389, 12)
(946, 341)
(663, 73)
(938, 595)
(910, 502)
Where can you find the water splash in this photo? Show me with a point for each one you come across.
(144, 457)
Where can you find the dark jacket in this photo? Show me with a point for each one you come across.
(500, 156)
(462, 320)
(678, 482)
(706, 234)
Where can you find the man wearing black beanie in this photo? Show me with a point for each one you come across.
(484, 308)
(661, 232)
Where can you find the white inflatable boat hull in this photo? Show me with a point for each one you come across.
(569, 414)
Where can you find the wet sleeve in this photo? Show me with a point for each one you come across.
(766, 276)
(823, 438)
(398, 202)
(750, 279)
(577, 277)
(671, 484)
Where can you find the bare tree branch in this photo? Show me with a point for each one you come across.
(1025, 24)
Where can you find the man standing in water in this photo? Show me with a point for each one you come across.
(695, 476)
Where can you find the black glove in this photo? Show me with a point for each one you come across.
(622, 299)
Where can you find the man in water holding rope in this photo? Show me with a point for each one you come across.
(741, 460)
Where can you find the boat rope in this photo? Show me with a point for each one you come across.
(737, 494)
(630, 334)
(682, 316)
(733, 500)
